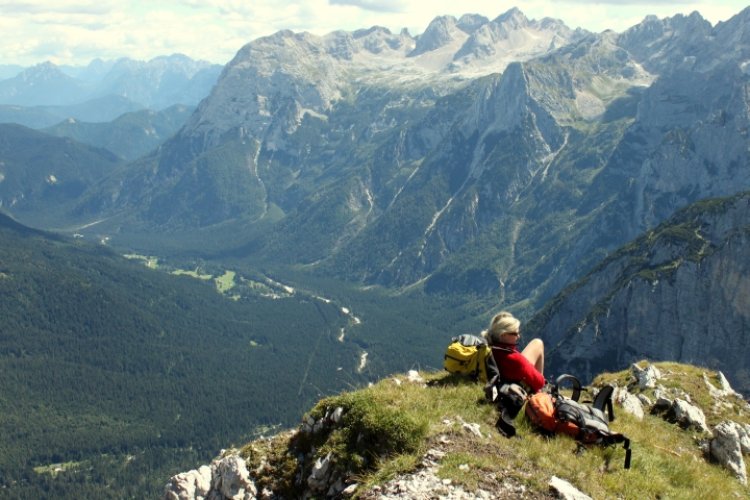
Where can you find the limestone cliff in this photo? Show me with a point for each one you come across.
(680, 292)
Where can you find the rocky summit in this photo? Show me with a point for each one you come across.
(689, 431)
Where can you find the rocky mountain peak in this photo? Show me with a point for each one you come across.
(44, 83)
(45, 71)
(735, 33)
(511, 37)
(441, 31)
(379, 40)
(513, 18)
(469, 23)
(662, 44)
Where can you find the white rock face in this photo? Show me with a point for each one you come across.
(725, 389)
(414, 377)
(192, 485)
(629, 402)
(688, 415)
(318, 479)
(226, 479)
(647, 377)
(567, 491)
(231, 479)
(726, 448)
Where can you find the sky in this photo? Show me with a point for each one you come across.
(74, 32)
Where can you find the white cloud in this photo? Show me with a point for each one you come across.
(373, 5)
(62, 6)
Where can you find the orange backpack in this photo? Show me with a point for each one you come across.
(554, 413)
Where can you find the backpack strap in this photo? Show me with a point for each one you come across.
(604, 400)
(568, 378)
(490, 366)
(614, 438)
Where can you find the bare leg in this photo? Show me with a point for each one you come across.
(534, 352)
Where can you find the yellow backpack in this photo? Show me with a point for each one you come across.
(468, 355)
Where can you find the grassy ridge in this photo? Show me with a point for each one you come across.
(412, 418)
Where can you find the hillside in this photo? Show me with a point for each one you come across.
(434, 437)
(40, 174)
(115, 374)
(130, 135)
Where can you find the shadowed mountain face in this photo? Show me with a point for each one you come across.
(40, 173)
(386, 159)
(680, 292)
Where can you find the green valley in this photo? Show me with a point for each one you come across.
(116, 376)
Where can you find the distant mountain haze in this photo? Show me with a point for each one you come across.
(155, 84)
(130, 135)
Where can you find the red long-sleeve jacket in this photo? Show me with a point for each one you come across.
(514, 367)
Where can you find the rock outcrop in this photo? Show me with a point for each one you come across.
(227, 478)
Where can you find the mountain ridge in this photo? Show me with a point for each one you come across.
(158, 83)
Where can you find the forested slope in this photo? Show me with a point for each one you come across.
(114, 374)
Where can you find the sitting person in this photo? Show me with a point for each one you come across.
(525, 367)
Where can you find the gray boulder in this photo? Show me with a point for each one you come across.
(565, 490)
(629, 402)
(191, 485)
(687, 415)
(231, 480)
(727, 449)
(646, 377)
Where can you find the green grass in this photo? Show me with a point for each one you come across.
(55, 469)
(225, 282)
(387, 429)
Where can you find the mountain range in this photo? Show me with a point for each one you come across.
(387, 160)
(593, 183)
(155, 84)
(45, 94)
(130, 135)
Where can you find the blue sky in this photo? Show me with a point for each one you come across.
(77, 31)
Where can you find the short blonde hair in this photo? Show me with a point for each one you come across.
(502, 322)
